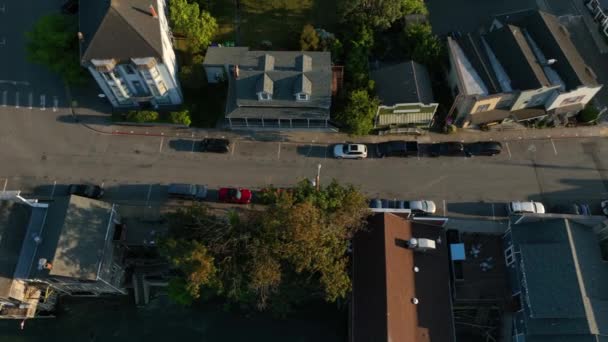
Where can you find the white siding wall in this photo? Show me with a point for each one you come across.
(168, 69)
(534, 98)
(587, 92)
(104, 87)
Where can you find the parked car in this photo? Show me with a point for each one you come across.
(235, 195)
(450, 148)
(604, 206)
(70, 7)
(350, 151)
(397, 148)
(417, 207)
(525, 207)
(483, 148)
(86, 190)
(581, 209)
(215, 145)
(188, 191)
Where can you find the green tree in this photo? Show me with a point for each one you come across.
(141, 116)
(589, 114)
(377, 13)
(309, 39)
(181, 117)
(414, 7)
(359, 113)
(359, 43)
(53, 43)
(422, 45)
(196, 25)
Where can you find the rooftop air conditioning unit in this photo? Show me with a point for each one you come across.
(425, 245)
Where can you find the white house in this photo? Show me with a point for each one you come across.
(126, 46)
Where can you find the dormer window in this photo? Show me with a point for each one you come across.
(302, 97)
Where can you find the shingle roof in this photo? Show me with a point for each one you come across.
(384, 283)
(554, 40)
(407, 82)
(292, 70)
(566, 278)
(120, 29)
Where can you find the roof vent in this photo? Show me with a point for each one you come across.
(415, 301)
(421, 245)
(37, 238)
(551, 61)
(41, 263)
(153, 12)
(80, 36)
(416, 269)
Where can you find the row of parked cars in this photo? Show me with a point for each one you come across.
(402, 148)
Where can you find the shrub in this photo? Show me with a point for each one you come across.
(309, 39)
(451, 129)
(142, 116)
(589, 114)
(181, 117)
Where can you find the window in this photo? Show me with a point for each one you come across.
(265, 96)
(482, 108)
(139, 88)
(302, 97)
(129, 69)
(509, 258)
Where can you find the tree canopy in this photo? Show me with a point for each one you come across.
(197, 26)
(422, 45)
(292, 251)
(53, 43)
(309, 39)
(358, 115)
(377, 13)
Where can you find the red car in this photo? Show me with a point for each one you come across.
(235, 195)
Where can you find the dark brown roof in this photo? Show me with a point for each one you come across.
(384, 283)
(528, 113)
(119, 29)
(488, 116)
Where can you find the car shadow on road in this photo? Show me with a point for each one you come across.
(315, 151)
(185, 145)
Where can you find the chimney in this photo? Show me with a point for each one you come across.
(153, 12)
(80, 36)
(48, 266)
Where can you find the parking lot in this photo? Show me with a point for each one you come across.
(135, 170)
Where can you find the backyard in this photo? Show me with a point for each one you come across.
(277, 21)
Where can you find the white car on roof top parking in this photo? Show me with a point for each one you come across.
(525, 208)
(350, 151)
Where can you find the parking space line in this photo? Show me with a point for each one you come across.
(17, 99)
(55, 103)
(444, 208)
(5, 183)
(53, 190)
(149, 194)
(30, 100)
(279, 152)
(192, 148)
(43, 102)
(309, 150)
(553, 144)
(233, 148)
(508, 149)
(160, 148)
(493, 213)
(4, 95)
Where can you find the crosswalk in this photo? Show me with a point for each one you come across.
(28, 99)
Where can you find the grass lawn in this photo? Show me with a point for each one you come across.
(279, 21)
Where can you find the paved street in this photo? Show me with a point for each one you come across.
(42, 154)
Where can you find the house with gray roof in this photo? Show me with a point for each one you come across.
(70, 246)
(405, 94)
(558, 273)
(273, 89)
(522, 67)
(126, 46)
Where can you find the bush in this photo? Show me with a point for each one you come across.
(358, 116)
(589, 114)
(309, 39)
(181, 117)
(142, 116)
(451, 129)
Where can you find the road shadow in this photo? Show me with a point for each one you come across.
(315, 151)
(185, 145)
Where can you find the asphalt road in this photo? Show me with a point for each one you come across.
(41, 152)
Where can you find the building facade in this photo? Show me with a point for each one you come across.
(137, 69)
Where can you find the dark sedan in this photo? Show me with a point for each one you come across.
(397, 148)
(483, 148)
(215, 145)
(450, 148)
(86, 190)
